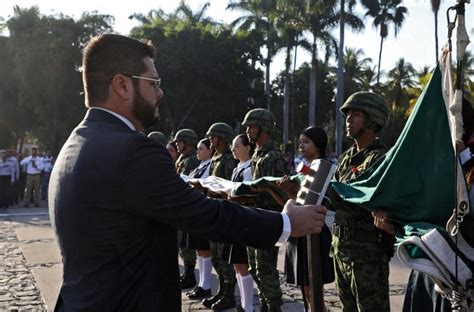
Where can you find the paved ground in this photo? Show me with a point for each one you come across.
(30, 268)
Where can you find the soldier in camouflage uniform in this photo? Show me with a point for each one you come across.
(186, 141)
(361, 252)
(222, 166)
(267, 160)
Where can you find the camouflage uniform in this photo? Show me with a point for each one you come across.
(361, 252)
(186, 163)
(222, 165)
(267, 160)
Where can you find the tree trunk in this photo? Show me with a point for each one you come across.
(378, 66)
(340, 81)
(312, 87)
(436, 35)
(286, 94)
(267, 79)
(292, 102)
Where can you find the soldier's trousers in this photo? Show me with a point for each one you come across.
(362, 286)
(263, 267)
(188, 255)
(224, 269)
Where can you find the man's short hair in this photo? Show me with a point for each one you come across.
(107, 55)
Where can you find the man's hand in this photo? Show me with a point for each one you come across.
(304, 219)
(381, 222)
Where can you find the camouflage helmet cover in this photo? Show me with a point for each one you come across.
(260, 117)
(221, 130)
(158, 137)
(188, 136)
(370, 103)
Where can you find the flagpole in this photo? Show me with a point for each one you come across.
(455, 108)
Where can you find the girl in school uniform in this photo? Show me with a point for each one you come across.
(242, 150)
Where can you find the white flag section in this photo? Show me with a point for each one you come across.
(439, 260)
(213, 184)
(453, 102)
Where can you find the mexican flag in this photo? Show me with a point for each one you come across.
(415, 181)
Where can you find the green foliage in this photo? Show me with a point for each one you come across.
(206, 69)
(45, 52)
(325, 114)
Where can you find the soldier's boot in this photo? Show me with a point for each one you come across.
(188, 279)
(208, 302)
(227, 300)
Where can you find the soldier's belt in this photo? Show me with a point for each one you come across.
(355, 234)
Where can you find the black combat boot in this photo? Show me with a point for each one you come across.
(227, 300)
(208, 302)
(199, 293)
(188, 280)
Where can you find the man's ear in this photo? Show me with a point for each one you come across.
(122, 86)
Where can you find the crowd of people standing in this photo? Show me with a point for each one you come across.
(24, 177)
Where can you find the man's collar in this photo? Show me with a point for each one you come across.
(125, 120)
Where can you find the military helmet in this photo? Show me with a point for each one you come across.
(221, 130)
(370, 103)
(158, 137)
(260, 117)
(188, 136)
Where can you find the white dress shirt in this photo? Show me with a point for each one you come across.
(34, 165)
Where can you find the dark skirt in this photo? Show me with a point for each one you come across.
(192, 242)
(234, 254)
(296, 260)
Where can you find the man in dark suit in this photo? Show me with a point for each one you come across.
(116, 200)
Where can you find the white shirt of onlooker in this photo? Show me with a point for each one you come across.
(29, 161)
(6, 169)
(47, 164)
(16, 167)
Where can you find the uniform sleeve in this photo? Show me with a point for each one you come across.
(229, 167)
(274, 165)
(25, 160)
(161, 195)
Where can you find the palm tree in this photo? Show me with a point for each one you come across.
(320, 19)
(290, 26)
(367, 77)
(435, 7)
(385, 12)
(194, 18)
(154, 16)
(260, 16)
(343, 18)
(400, 79)
(354, 64)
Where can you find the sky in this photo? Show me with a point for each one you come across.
(415, 41)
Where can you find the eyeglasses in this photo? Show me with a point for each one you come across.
(156, 82)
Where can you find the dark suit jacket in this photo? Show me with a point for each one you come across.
(116, 202)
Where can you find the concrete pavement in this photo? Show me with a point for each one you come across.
(30, 268)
